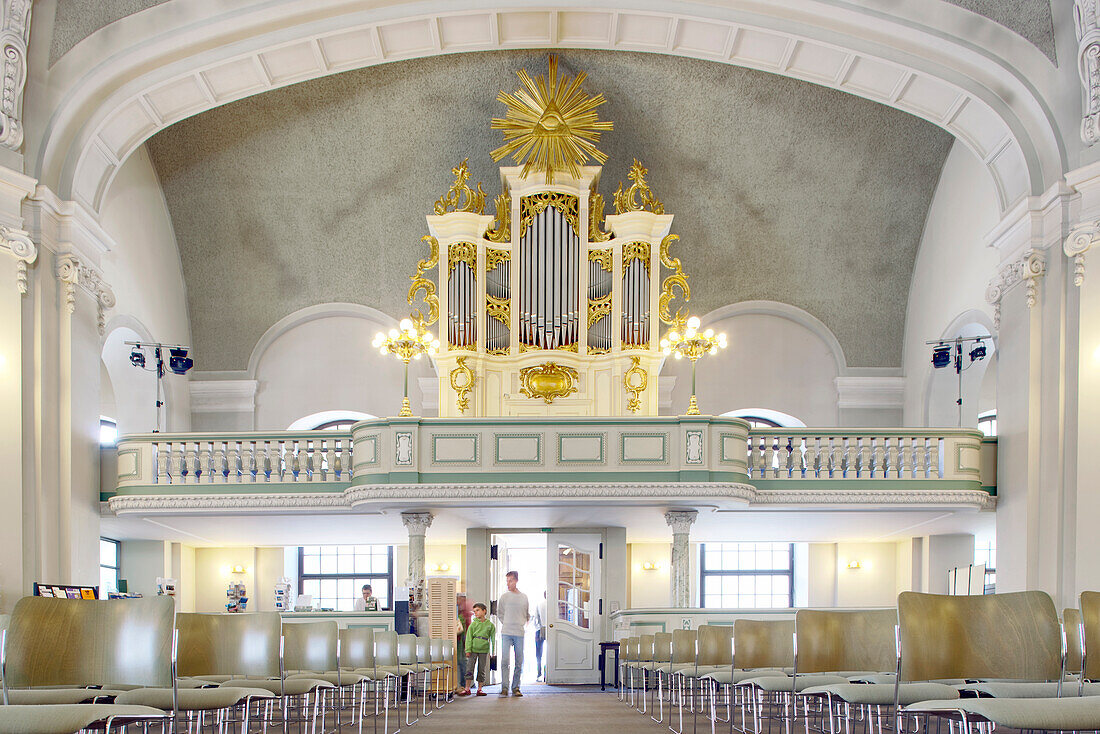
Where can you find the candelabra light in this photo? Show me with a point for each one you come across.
(410, 342)
(693, 344)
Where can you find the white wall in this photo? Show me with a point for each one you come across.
(355, 375)
(649, 588)
(771, 362)
(952, 268)
(145, 273)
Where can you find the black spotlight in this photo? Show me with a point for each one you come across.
(978, 352)
(179, 362)
(137, 357)
(941, 356)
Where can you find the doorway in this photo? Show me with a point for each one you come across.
(524, 553)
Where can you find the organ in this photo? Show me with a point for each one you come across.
(547, 306)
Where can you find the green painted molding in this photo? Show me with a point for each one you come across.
(650, 434)
(602, 460)
(476, 461)
(552, 477)
(537, 461)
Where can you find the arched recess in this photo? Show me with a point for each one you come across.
(109, 94)
(134, 390)
(941, 386)
(311, 422)
(789, 312)
(777, 417)
(356, 376)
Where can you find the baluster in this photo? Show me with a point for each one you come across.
(919, 457)
(890, 461)
(311, 464)
(905, 468)
(935, 470)
(877, 456)
(769, 457)
(790, 457)
(218, 461)
(233, 468)
(248, 461)
(846, 458)
(809, 457)
(831, 456)
(333, 464)
(163, 454)
(292, 454)
(751, 455)
(268, 461)
(346, 454)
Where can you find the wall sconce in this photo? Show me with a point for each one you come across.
(441, 568)
(854, 565)
(651, 566)
(237, 569)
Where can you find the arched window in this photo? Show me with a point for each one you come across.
(987, 423)
(329, 420)
(108, 431)
(765, 418)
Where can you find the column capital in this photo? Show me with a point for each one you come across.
(681, 520)
(1087, 27)
(13, 36)
(1080, 240)
(72, 271)
(1028, 267)
(417, 523)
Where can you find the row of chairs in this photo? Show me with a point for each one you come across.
(977, 662)
(69, 665)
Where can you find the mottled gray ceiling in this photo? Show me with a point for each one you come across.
(77, 19)
(781, 190)
(1031, 19)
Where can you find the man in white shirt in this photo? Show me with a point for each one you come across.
(540, 634)
(368, 603)
(513, 611)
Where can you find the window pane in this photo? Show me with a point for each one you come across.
(328, 563)
(108, 553)
(108, 581)
(311, 565)
(362, 563)
(345, 563)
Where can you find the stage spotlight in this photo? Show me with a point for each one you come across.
(137, 357)
(941, 356)
(179, 362)
(978, 352)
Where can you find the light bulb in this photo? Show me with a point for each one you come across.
(416, 356)
(690, 334)
(679, 355)
(666, 350)
(385, 349)
(714, 350)
(693, 322)
(674, 336)
(709, 333)
(431, 351)
(435, 344)
(377, 340)
(722, 340)
(393, 333)
(406, 324)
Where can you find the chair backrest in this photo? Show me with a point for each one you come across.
(645, 648)
(385, 649)
(1006, 636)
(846, 641)
(763, 643)
(423, 650)
(76, 642)
(1071, 622)
(435, 647)
(406, 649)
(714, 644)
(229, 644)
(683, 645)
(448, 650)
(662, 647)
(357, 647)
(628, 649)
(311, 646)
(1090, 623)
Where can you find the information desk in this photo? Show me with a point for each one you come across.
(375, 620)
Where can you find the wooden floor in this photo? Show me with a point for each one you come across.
(565, 709)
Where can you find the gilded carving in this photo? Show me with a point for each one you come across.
(460, 197)
(636, 251)
(635, 381)
(603, 257)
(420, 283)
(548, 381)
(676, 279)
(531, 206)
(493, 258)
(499, 309)
(501, 229)
(462, 252)
(550, 125)
(646, 201)
(595, 217)
(597, 309)
(462, 382)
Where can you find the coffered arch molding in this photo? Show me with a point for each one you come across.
(108, 95)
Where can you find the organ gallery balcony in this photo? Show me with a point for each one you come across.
(709, 460)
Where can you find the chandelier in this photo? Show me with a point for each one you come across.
(692, 344)
(410, 342)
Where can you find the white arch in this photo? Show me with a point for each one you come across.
(110, 93)
(954, 328)
(309, 422)
(786, 420)
(313, 313)
(791, 313)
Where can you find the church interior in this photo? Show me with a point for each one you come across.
(716, 364)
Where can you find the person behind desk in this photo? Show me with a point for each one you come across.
(368, 603)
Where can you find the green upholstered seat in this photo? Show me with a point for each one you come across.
(31, 696)
(289, 687)
(1058, 714)
(726, 676)
(70, 718)
(191, 699)
(782, 684)
(344, 678)
(882, 694)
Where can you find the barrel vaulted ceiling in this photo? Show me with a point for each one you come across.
(75, 20)
(781, 190)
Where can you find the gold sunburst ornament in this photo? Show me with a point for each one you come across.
(551, 124)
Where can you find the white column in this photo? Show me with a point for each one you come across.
(680, 521)
(417, 524)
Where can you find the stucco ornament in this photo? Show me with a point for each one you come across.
(1088, 65)
(1027, 268)
(1079, 241)
(72, 271)
(25, 252)
(13, 37)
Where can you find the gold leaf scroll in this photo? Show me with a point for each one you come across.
(676, 279)
(420, 283)
(453, 199)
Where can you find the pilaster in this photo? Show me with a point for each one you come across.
(417, 523)
(681, 521)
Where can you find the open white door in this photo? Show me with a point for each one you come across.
(573, 583)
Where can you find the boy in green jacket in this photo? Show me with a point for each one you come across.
(480, 640)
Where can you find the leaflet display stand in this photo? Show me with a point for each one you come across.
(66, 591)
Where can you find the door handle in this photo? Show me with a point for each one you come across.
(551, 625)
